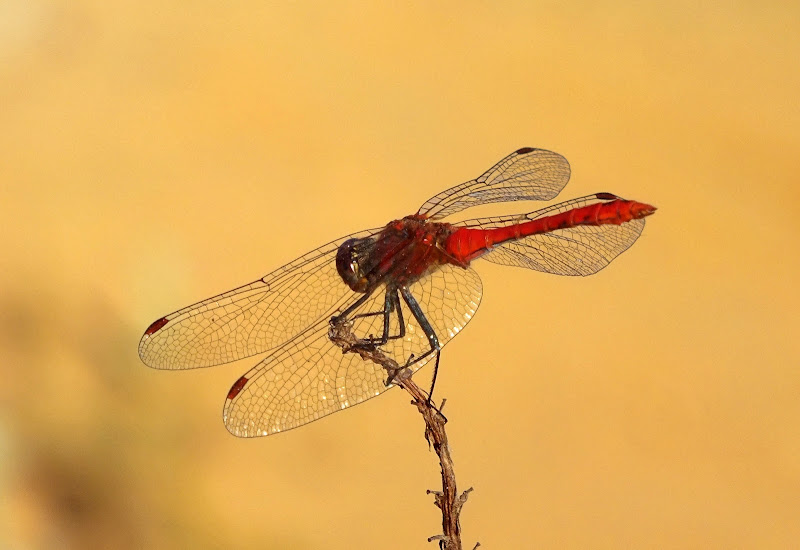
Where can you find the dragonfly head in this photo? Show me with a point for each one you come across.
(350, 263)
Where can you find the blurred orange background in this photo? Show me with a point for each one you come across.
(154, 153)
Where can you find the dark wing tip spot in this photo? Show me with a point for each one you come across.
(237, 387)
(524, 150)
(155, 327)
(606, 196)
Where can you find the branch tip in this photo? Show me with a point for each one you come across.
(448, 499)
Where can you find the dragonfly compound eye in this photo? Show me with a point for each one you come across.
(349, 266)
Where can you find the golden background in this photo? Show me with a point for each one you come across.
(156, 153)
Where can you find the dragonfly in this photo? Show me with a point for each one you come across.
(406, 288)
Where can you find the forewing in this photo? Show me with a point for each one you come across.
(525, 174)
(250, 319)
(579, 250)
(309, 377)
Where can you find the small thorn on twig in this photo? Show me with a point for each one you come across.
(438, 537)
(476, 545)
(438, 498)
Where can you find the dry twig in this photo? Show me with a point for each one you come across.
(448, 499)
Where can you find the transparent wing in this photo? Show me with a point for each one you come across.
(579, 250)
(309, 377)
(250, 319)
(525, 174)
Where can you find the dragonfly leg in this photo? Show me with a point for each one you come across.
(426, 327)
(391, 303)
(352, 307)
(401, 323)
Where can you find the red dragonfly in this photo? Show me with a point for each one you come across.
(407, 288)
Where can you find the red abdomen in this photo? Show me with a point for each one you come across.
(466, 244)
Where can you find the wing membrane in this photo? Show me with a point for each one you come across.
(525, 174)
(309, 377)
(250, 319)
